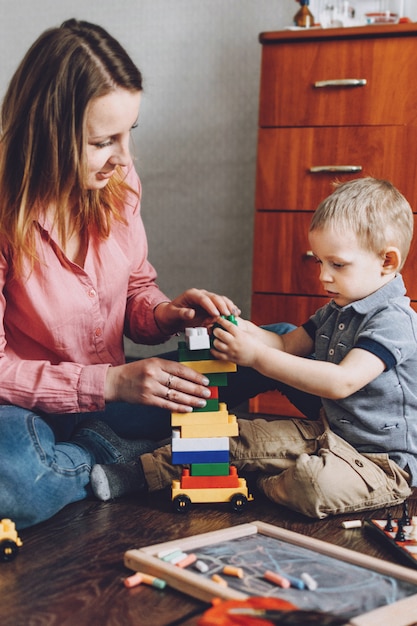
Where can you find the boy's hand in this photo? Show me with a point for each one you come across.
(235, 343)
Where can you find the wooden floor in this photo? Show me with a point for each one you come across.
(69, 571)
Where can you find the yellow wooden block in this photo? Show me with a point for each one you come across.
(202, 417)
(231, 429)
(211, 367)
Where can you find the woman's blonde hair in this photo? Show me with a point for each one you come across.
(374, 210)
(42, 141)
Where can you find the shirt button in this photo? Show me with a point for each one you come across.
(92, 293)
(331, 352)
(98, 332)
(341, 326)
(358, 463)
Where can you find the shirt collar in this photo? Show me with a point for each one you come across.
(393, 289)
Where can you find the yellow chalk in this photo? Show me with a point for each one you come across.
(219, 580)
(230, 570)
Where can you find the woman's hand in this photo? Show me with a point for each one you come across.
(157, 382)
(195, 307)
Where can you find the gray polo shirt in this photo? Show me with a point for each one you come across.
(382, 416)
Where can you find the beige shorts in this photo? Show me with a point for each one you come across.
(303, 465)
(308, 468)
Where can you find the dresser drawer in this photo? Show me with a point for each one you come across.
(282, 251)
(269, 309)
(286, 156)
(284, 264)
(295, 88)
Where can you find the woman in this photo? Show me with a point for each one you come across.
(75, 277)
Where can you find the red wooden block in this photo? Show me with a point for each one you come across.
(210, 482)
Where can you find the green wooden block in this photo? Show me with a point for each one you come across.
(212, 405)
(184, 354)
(217, 379)
(230, 318)
(209, 469)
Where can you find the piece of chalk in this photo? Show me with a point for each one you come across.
(275, 578)
(133, 581)
(352, 523)
(201, 566)
(147, 579)
(219, 580)
(230, 570)
(188, 560)
(162, 553)
(309, 581)
(177, 558)
(153, 581)
(172, 555)
(297, 583)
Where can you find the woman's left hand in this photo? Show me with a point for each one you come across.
(195, 307)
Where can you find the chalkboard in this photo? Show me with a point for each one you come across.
(360, 588)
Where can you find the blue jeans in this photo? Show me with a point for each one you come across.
(41, 470)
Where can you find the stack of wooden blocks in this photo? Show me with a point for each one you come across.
(201, 439)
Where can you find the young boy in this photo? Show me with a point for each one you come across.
(362, 451)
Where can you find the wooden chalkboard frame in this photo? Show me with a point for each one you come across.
(401, 613)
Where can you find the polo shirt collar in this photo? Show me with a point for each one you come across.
(391, 290)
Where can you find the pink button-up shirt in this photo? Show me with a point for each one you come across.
(63, 325)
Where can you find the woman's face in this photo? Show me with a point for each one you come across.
(110, 119)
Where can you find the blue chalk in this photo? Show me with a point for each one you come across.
(297, 583)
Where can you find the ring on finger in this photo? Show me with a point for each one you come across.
(169, 381)
(167, 394)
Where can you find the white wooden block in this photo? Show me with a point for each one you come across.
(201, 444)
(197, 338)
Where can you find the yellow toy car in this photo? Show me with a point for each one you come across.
(9, 540)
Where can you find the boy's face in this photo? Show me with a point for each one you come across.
(348, 272)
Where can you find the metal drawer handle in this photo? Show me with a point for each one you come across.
(341, 82)
(336, 168)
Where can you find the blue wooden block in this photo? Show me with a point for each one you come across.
(205, 456)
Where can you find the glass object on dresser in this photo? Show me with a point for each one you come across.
(337, 13)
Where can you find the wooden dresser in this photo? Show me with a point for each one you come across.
(335, 104)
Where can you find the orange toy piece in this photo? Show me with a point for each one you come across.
(219, 615)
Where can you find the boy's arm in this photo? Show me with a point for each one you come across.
(328, 380)
(321, 378)
(296, 341)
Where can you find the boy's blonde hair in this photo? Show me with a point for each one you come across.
(374, 210)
